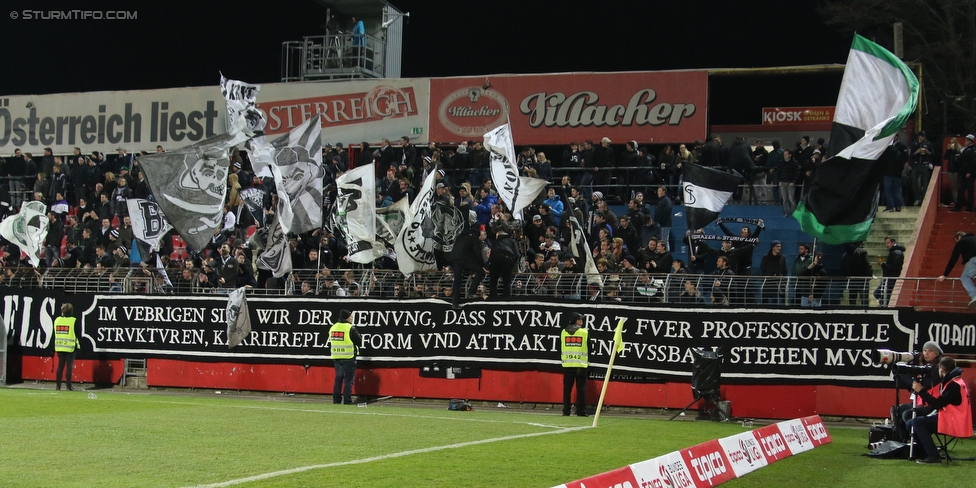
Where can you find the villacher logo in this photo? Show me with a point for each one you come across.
(472, 111)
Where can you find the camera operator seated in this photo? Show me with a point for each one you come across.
(948, 413)
(929, 369)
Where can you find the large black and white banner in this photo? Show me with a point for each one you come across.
(759, 345)
(294, 160)
(149, 225)
(190, 183)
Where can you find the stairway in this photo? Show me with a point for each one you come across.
(937, 247)
(901, 226)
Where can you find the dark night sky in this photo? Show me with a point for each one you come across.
(180, 43)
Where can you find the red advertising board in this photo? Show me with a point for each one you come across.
(773, 445)
(708, 464)
(649, 107)
(817, 431)
(618, 477)
(797, 115)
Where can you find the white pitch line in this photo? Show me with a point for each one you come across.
(345, 412)
(274, 474)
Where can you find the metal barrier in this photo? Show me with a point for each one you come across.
(920, 293)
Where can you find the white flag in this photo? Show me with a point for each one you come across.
(516, 191)
(294, 160)
(149, 225)
(415, 242)
(580, 249)
(276, 256)
(27, 229)
(356, 214)
(389, 221)
(241, 100)
(162, 270)
(238, 319)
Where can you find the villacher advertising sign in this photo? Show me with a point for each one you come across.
(649, 107)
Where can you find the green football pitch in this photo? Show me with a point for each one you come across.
(161, 439)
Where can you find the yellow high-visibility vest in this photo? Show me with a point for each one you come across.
(64, 334)
(575, 352)
(341, 341)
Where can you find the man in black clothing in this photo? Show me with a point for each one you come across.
(921, 159)
(857, 269)
(466, 259)
(743, 265)
(662, 214)
(966, 248)
(967, 175)
(722, 282)
(929, 359)
(502, 258)
(890, 270)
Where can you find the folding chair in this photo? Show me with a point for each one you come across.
(944, 443)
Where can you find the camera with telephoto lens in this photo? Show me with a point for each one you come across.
(903, 371)
(913, 370)
(885, 356)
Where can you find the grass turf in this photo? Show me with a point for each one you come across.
(162, 439)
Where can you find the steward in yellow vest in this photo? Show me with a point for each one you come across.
(344, 342)
(574, 348)
(65, 343)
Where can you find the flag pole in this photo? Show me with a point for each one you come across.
(618, 345)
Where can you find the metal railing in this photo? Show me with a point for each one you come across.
(745, 291)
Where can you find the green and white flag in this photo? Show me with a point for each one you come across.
(877, 96)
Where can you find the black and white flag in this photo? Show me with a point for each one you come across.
(356, 214)
(190, 183)
(415, 243)
(241, 101)
(294, 160)
(389, 221)
(581, 250)
(878, 95)
(238, 319)
(149, 224)
(448, 224)
(27, 229)
(516, 191)
(254, 201)
(706, 191)
(276, 256)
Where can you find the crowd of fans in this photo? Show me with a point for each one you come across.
(632, 252)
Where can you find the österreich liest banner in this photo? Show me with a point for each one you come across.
(759, 345)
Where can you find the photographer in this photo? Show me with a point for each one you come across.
(930, 357)
(949, 413)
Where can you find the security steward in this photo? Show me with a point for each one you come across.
(573, 342)
(65, 343)
(344, 339)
